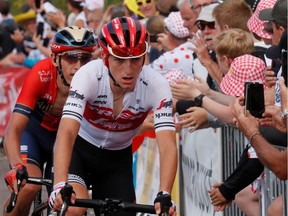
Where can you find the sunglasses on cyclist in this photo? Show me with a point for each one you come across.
(74, 57)
(202, 25)
(122, 52)
(141, 2)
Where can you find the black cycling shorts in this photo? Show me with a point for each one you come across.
(109, 172)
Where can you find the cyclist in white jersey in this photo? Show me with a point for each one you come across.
(108, 101)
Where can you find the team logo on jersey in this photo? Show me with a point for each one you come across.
(73, 105)
(48, 96)
(45, 76)
(75, 94)
(165, 104)
(44, 106)
(163, 115)
(100, 100)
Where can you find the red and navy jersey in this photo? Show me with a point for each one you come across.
(38, 95)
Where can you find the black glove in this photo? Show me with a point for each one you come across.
(164, 198)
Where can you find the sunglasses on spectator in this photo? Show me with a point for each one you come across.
(140, 3)
(202, 25)
(200, 6)
(122, 52)
(74, 57)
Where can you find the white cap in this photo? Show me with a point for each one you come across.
(206, 13)
(174, 24)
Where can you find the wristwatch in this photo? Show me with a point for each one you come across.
(284, 113)
(198, 100)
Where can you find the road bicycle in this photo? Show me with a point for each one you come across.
(106, 207)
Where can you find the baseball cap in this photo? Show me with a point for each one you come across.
(174, 24)
(255, 24)
(276, 51)
(278, 13)
(245, 68)
(206, 13)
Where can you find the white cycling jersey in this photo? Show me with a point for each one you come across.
(91, 101)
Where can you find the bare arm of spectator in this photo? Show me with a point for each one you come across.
(270, 77)
(106, 18)
(201, 51)
(195, 118)
(187, 90)
(217, 96)
(270, 80)
(37, 40)
(58, 19)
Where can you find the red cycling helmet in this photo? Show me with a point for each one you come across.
(73, 37)
(124, 37)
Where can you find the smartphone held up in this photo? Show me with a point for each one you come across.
(254, 99)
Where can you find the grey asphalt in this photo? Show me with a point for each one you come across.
(4, 167)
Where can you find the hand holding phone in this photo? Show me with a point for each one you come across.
(254, 99)
(38, 4)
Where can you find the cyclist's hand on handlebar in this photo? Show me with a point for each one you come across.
(56, 200)
(16, 178)
(164, 205)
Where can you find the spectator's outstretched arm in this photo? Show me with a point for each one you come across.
(189, 90)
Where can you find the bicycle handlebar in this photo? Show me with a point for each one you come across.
(114, 204)
(30, 180)
(108, 205)
(39, 181)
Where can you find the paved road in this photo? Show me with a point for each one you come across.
(3, 170)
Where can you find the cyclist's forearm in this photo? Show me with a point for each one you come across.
(168, 159)
(13, 133)
(63, 148)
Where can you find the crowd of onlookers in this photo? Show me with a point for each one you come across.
(207, 50)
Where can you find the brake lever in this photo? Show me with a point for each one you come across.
(12, 202)
(66, 193)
